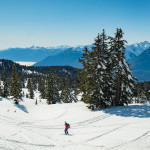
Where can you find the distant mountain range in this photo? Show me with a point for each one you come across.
(71, 56)
(65, 58)
(136, 49)
(38, 54)
(68, 56)
(141, 66)
(31, 54)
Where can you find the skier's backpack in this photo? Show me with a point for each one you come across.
(68, 125)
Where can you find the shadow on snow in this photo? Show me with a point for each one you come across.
(22, 107)
(140, 111)
(4, 98)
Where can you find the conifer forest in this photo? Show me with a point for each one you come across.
(105, 79)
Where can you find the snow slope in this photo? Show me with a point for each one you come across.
(41, 127)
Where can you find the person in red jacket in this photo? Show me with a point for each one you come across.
(66, 128)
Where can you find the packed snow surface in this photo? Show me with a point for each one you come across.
(41, 127)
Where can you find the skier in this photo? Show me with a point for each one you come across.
(67, 126)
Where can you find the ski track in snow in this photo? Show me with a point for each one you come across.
(59, 116)
(29, 128)
(16, 143)
(90, 121)
(106, 133)
(32, 133)
(74, 125)
(134, 140)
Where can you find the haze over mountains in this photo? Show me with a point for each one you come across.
(36, 54)
(136, 54)
(33, 54)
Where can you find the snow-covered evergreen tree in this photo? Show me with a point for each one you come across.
(5, 92)
(68, 95)
(1, 90)
(106, 79)
(85, 77)
(52, 94)
(30, 88)
(42, 88)
(123, 79)
(15, 86)
(94, 73)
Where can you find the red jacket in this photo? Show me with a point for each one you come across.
(66, 125)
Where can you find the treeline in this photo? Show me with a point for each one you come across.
(63, 71)
(55, 84)
(142, 93)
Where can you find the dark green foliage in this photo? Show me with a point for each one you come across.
(42, 88)
(68, 95)
(5, 92)
(30, 88)
(106, 79)
(37, 72)
(123, 78)
(52, 94)
(23, 95)
(1, 91)
(84, 76)
(15, 86)
(36, 102)
(38, 76)
(27, 96)
(142, 92)
(93, 76)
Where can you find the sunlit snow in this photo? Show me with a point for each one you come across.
(41, 127)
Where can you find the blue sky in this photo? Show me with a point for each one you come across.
(71, 22)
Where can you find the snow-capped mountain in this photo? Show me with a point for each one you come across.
(141, 66)
(62, 55)
(71, 56)
(62, 47)
(136, 49)
(36, 53)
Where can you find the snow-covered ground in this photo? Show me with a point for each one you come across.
(41, 127)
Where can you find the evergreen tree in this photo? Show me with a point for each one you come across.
(23, 94)
(94, 73)
(1, 91)
(84, 76)
(68, 95)
(42, 88)
(110, 68)
(106, 79)
(15, 86)
(30, 89)
(52, 94)
(27, 96)
(123, 79)
(36, 102)
(5, 86)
